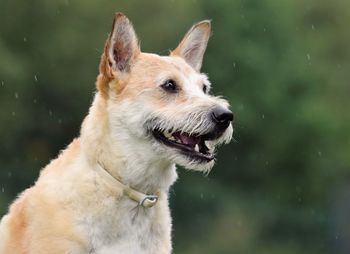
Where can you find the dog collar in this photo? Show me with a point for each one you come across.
(144, 200)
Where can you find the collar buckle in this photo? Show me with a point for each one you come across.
(148, 201)
(144, 200)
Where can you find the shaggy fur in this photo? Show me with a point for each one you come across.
(73, 208)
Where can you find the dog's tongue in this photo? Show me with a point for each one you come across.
(186, 139)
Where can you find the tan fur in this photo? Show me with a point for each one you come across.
(73, 208)
(36, 221)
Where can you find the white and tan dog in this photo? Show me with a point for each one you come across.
(108, 191)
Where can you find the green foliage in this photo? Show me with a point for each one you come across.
(282, 187)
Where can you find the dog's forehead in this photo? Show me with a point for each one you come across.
(179, 64)
(171, 67)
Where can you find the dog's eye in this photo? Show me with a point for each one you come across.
(170, 86)
(205, 89)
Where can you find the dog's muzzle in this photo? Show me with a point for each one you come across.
(198, 146)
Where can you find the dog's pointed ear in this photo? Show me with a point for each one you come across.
(121, 48)
(193, 45)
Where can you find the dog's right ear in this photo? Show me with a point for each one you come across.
(121, 49)
(193, 45)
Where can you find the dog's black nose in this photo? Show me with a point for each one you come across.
(222, 116)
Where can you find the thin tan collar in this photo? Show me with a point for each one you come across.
(144, 200)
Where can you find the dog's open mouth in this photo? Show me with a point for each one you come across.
(197, 147)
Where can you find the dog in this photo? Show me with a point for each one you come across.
(107, 192)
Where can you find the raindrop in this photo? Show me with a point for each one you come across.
(2, 83)
(234, 64)
(13, 113)
(313, 27)
(319, 153)
(264, 29)
(60, 121)
(16, 95)
(2, 189)
(24, 39)
(201, 195)
(50, 112)
(308, 56)
(34, 101)
(263, 116)
(9, 174)
(241, 107)
(35, 78)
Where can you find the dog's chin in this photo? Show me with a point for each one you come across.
(179, 158)
(194, 165)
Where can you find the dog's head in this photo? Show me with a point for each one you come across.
(162, 103)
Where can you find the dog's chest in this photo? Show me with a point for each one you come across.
(129, 229)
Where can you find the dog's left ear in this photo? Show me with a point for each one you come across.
(121, 48)
(193, 45)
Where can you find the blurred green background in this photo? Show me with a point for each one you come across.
(282, 187)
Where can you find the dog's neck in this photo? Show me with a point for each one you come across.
(137, 166)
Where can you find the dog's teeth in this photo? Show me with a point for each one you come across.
(196, 148)
(167, 134)
(207, 143)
